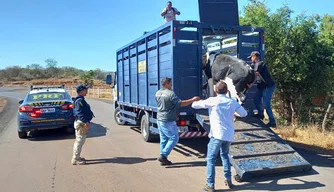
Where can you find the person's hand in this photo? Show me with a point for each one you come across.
(87, 125)
(196, 98)
(249, 85)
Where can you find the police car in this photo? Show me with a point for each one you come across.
(45, 107)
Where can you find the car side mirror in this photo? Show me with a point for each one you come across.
(20, 102)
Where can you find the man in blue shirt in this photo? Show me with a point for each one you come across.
(266, 87)
(83, 116)
(221, 114)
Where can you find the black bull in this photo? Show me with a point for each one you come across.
(220, 66)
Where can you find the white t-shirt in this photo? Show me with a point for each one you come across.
(170, 14)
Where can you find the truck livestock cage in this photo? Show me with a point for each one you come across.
(175, 50)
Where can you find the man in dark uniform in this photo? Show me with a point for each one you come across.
(266, 87)
(83, 115)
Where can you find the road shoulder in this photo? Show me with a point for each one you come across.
(3, 103)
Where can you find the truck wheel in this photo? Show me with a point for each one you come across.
(145, 128)
(22, 134)
(117, 116)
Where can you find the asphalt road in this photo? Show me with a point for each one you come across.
(119, 160)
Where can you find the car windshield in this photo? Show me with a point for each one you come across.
(46, 96)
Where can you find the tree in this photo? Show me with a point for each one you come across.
(51, 67)
(99, 74)
(297, 59)
(88, 77)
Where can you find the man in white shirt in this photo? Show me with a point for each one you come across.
(221, 112)
(169, 12)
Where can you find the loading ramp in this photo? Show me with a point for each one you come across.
(257, 150)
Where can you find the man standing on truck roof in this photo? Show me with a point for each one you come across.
(169, 12)
(168, 102)
(221, 113)
(266, 87)
(83, 116)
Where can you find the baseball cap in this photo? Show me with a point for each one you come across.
(254, 53)
(80, 87)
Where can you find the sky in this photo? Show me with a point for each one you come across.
(86, 34)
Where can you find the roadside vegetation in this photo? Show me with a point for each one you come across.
(3, 103)
(50, 72)
(299, 50)
(300, 54)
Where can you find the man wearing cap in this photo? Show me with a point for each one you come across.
(83, 116)
(266, 87)
(221, 113)
(168, 103)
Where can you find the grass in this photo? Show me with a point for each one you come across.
(3, 103)
(310, 136)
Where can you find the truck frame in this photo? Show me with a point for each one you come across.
(173, 50)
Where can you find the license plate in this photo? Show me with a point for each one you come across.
(48, 110)
(183, 129)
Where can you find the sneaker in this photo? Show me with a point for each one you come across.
(273, 125)
(229, 184)
(78, 162)
(208, 188)
(164, 161)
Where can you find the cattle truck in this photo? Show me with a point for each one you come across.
(175, 50)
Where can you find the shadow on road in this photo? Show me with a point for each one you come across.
(317, 157)
(120, 160)
(274, 185)
(136, 129)
(187, 164)
(96, 130)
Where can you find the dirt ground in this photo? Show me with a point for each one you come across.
(3, 103)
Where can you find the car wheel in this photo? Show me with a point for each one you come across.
(22, 134)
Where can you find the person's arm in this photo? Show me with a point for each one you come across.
(202, 104)
(240, 110)
(178, 102)
(257, 69)
(78, 110)
(177, 11)
(163, 13)
(189, 101)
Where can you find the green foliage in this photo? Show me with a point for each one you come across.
(299, 53)
(50, 70)
(87, 77)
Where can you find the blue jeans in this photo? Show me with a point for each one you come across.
(265, 95)
(169, 136)
(214, 146)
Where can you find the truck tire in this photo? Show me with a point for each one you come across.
(117, 117)
(22, 134)
(145, 128)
